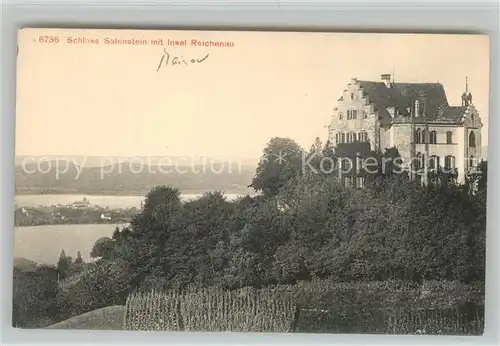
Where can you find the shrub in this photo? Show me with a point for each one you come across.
(212, 309)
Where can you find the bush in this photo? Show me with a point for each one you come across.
(212, 309)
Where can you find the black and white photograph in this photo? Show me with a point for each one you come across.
(251, 181)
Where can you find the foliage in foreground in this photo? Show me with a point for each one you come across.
(360, 243)
(314, 227)
(452, 321)
(297, 308)
(212, 309)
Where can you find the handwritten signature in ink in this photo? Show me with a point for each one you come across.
(168, 60)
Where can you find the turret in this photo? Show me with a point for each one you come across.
(464, 99)
(466, 95)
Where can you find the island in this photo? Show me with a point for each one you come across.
(78, 212)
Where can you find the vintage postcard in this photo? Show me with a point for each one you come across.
(246, 181)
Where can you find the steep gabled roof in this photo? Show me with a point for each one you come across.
(453, 113)
(403, 95)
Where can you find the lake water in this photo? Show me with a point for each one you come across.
(43, 244)
(102, 201)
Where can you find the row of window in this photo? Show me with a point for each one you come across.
(351, 137)
(422, 136)
(434, 161)
(353, 114)
(431, 137)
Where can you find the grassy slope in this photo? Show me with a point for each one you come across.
(108, 318)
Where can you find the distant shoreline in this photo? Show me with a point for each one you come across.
(114, 224)
(122, 193)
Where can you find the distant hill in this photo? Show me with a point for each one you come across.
(131, 177)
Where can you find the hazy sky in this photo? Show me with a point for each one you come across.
(102, 99)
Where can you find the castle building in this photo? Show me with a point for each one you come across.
(414, 118)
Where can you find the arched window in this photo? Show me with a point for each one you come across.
(418, 136)
(432, 162)
(337, 137)
(449, 137)
(423, 160)
(418, 161)
(472, 139)
(363, 137)
(354, 137)
(471, 161)
(342, 138)
(433, 137)
(340, 115)
(425, 136)
(449, 162)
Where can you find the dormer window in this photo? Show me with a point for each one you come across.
(391, 111)
(352, 114)
(386, 79)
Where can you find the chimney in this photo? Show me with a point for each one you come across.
(417, 108)
(386, 78)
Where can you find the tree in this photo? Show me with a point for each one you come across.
(78, 259)
(104, 284)
(63, 265)
(34, 301)
(281, 160)
(161, 195)
(317, 147)
(476, 179)
(205, 229)
(103, 247)
(327, 163)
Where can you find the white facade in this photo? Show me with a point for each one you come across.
(390, 115)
